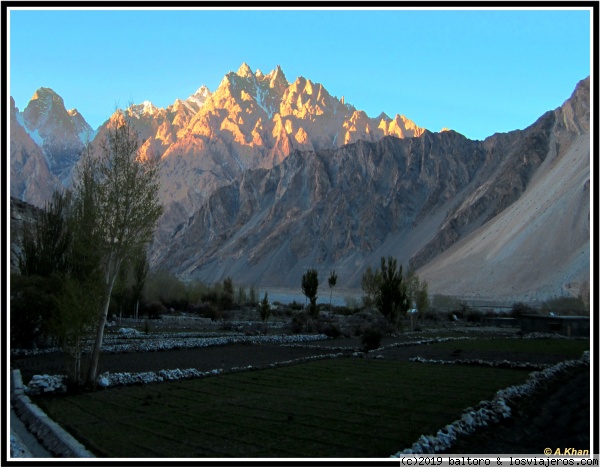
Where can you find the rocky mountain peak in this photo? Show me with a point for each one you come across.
(45, 104)
(244, 71)
(83, 128)
(201, 93)
(576, 110)
(277, 79)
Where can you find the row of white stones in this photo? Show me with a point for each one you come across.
(56, 383)
(171, 343)
(480, 362)
(488, 411)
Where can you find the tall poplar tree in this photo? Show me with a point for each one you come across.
(121, 190)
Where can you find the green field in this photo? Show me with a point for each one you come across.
(568, 348)
(342, 408)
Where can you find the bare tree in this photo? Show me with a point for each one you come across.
(123, 192)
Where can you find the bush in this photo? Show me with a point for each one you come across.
(166, 288)
(301, 324)
(330, 330)
(33, 301)
(493, 314)
(432, 315)
(154, 310)
(474, 316)
(352, 306)
(519, 309)
(208, 310)
(371, 339)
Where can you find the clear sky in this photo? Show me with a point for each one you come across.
(475, 71)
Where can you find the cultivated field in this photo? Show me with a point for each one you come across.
(367, 406)
(331, 408)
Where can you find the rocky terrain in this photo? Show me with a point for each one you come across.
(263, 178)
(30, 177)
(207, 140)
(539, 246)
(418, 199)
(22, 216)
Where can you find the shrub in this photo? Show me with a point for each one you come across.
(474, 316)
(330, 330)
(519, 309)
(264, 308)
(371, 339)
(432, 315)
(166, 288)
(208, 310)
(33, 301)
(301, 324)
(154, 310)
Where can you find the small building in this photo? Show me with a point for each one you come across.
(501, 322)
(570, 326)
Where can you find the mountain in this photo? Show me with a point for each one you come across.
(539, 246)
(428, 200)
(46, 143)
(251, 120)
(22, 216)
(30, 175)
(264, 177)
(60, 133)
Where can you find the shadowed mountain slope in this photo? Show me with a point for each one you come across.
(414, 198)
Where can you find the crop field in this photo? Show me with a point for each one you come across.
(341, 408)
(568, 348)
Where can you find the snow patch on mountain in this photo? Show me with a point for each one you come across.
(200, 96)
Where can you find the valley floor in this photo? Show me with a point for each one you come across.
(556, 416)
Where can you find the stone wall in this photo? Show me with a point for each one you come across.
(53, 437)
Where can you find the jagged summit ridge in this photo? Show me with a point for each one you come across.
(436, 202)
(251, 120)
(264, 177)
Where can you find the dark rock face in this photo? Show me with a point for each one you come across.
(343, 209)
(511, 160)
(324, 207)
(22, 216)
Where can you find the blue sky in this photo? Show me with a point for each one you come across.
(475, 71)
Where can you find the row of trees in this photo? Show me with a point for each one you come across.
(386, 289)
(87, 237)
(165, 290)
(310, 287)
